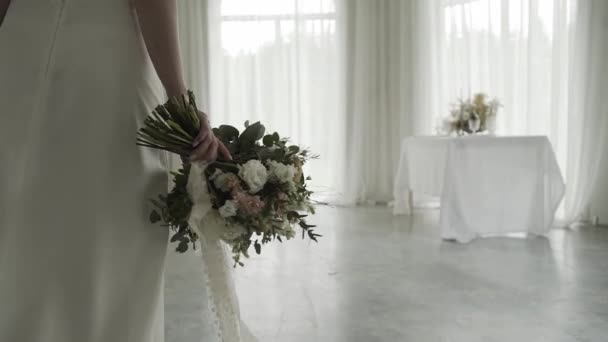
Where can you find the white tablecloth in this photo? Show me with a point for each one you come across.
(488, 185)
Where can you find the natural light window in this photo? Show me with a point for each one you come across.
(248, 26)
(499, 16)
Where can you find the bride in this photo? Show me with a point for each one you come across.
(78, 259)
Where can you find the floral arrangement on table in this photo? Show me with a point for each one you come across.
(261, 194)
(472, 116)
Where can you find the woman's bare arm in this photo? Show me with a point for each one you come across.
(158, 24)
(3, 8)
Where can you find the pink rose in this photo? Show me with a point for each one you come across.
(248, 204)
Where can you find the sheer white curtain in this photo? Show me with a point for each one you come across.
(351, 78)
(379, 39)
(588, 106)
(515, 50)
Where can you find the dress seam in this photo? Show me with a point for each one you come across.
(51, 52)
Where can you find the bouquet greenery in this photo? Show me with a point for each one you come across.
(261, 194)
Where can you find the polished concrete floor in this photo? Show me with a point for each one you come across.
(375, 277)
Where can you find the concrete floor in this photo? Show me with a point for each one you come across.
(375, 277)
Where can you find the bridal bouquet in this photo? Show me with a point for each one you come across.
(472, 116)
(260, 195)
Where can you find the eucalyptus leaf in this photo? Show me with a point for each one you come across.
(180, 236)
(268, 140)
(227, 133)
(252, 133)
(155, 216)
(182, 247)
(258, 247)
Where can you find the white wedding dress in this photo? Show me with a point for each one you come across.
(79, 261)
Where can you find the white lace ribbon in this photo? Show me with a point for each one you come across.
(222, 297)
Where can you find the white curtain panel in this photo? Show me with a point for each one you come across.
(194, 45)
(376, 98)
(588, 106)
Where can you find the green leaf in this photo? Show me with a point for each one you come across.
(253, 133)
(292, 215)
(278, 155)
(227, 133)
(258, 247)
(268, 141)
(155, 216)
(182, 247)
(294, 149)
(246, 123)
(313, 236)
(180, 236)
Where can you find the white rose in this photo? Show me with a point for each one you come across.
(254, 174)
(282, 173)
(229, 209)
(215, 174)
(221, 181)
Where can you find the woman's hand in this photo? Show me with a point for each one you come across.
(206, 145)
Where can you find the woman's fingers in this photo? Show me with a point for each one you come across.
(204, 131)
(211, 154)
(202, 135)
(223, 151)
(201, 149)
(207, 150)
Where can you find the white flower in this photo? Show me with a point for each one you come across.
(282, 173)
(229, 209)
(215, 174)
(254, 174)
(233, 232)
(221, 180)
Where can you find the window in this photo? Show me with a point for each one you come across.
(251, 25)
